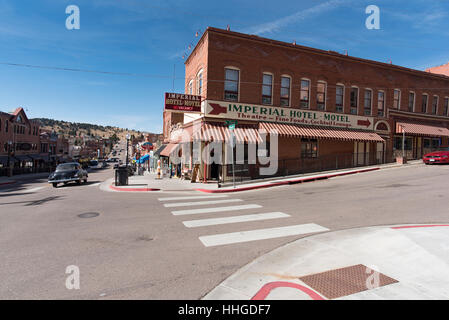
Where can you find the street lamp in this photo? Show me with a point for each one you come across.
(127, 141)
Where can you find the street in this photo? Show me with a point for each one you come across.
(148, 246)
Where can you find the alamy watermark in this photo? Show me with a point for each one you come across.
(373, 20)
(72, 282)
(73, 21)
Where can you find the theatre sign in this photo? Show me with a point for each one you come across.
(232, 110)
(182, 102)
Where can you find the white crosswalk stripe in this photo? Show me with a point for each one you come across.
(235, 219)
(260, 234)
(200, 203)
(233, 237)
(194, 197)
(216, 209)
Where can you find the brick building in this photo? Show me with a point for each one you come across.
(330, 110)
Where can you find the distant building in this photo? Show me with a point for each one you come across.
(443, 69)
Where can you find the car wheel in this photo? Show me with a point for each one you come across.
(55, 185)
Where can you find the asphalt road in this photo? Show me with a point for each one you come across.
(137, 249)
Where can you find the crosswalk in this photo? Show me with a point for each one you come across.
(195, 205)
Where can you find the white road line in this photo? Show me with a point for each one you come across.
(33, 189)
(225, 220)
(194, 197)
(199, 203)
(95, 184)
(260, 234)
(216, 209)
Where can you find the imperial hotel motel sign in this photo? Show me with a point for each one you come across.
(182, 102)
(220, 109)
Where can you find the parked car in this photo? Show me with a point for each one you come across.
(439, 156)
(68, 172)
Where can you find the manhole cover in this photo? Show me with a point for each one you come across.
(89, 215)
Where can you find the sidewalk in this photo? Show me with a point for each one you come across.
(150, 183)
(389, 262)
(23, 177)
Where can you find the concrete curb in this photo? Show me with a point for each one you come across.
(132, 189)
(287, 182)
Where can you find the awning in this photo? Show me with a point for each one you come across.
(23, 157)
(421, 129)
(35, 156)
(217, 132)
(168, 149)
(291, 130)
(159, 150)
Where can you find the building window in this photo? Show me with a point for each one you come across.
(285, 91)
(321, 96)
(398, 143)
(199, 78)
(339, 98)
(305, 94)
(368, 102)
(6, 125)
(397, 99)
(354, 100)
(231, 84)
(446, 106)
(190, 89)
(267, 89)
(380, 104)
(435, 105)
(411, 101)
(424, 103)
(309, 148)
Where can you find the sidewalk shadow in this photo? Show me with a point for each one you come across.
(34, 202)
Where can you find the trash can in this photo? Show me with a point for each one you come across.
(121, 176)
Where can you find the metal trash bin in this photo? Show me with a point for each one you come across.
(121, 176)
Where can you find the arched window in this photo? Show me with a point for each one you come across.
(285, 90)
(199, 79)
(321, 95)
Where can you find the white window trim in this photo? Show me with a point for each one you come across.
(190, 86)
(427, 104)
(308, 94)
(414, 100)
(325, 94)
(344, 89)
(289, 89)
(238, 85)
(385, 101)
(200, 72)
(358, 100)
(371, 102)
(438, 102)
(272, 87)
(447, 113)
(399, 101)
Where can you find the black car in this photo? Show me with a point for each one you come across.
(68, 172)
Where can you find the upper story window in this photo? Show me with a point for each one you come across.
(199, 78)
(435, 105)
(339, 97)
(397, 99)
(411, 101)
(446, 106)
(368, 101)
(267, 88)
(190, 88)
(425, 97)
(231, 87)
(381, 104)
(305, 93)
(321, 96)
(354, 100)
(0, 124)
(6, 125)
(285, 91)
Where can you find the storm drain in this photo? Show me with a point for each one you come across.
(87, 215)
(345, 281)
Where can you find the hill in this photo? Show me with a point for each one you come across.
(75, 129)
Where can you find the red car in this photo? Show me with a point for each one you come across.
(439, 156)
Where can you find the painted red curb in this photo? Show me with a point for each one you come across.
(280, 183)
(132, 189)
(267, 288)
(6, 183)
(421, 226)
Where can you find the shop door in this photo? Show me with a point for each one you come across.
(419, 148)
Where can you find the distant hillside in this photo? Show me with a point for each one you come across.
(74, 129)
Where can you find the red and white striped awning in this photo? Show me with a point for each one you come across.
(169, 149)
(218, 132)
(292, 130)
(421, 129)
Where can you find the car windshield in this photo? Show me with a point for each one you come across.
(66, 167)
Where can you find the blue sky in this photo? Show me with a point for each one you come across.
(149, 37)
